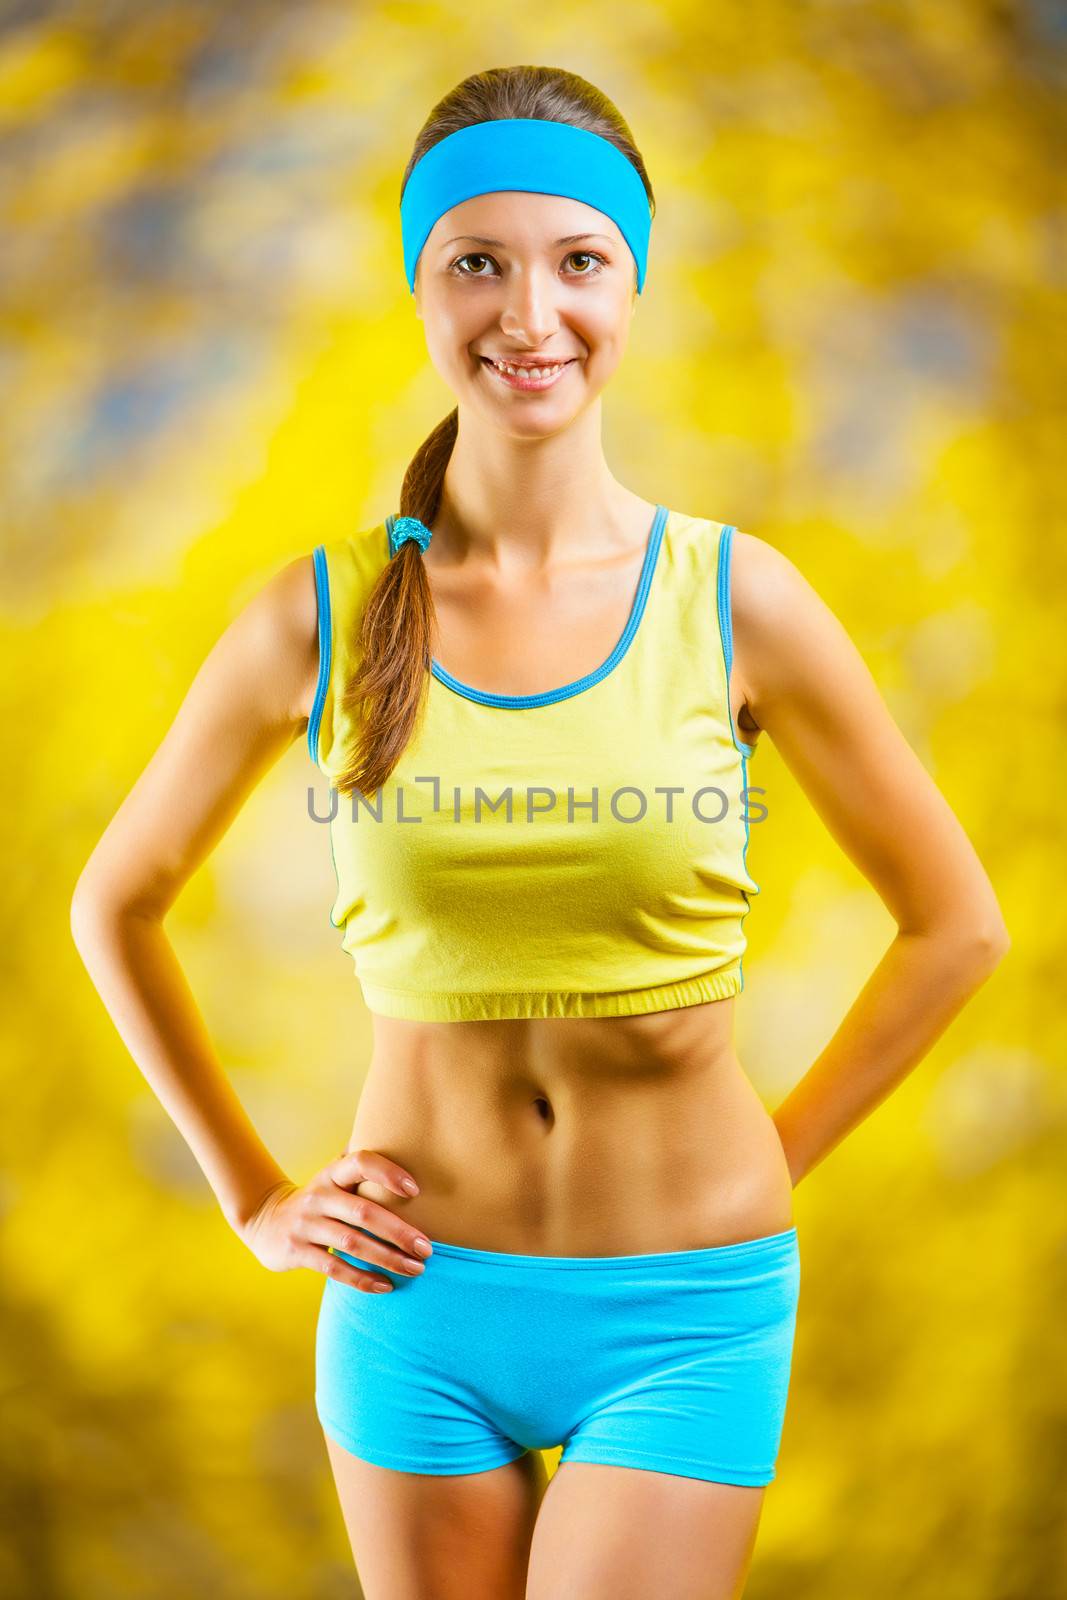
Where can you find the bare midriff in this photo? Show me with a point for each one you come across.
(575, 1136)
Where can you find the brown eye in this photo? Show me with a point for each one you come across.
(596, 263)
(587, 255)
(473, 256)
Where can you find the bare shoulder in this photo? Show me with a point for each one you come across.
(781, 625)
(764, 584)
(283, 617)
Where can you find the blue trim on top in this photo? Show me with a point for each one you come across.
(322, 593)
(726, 628)
(744, 866)
(726, 634)
(516, 701)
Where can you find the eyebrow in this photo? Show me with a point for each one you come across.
(569, 238)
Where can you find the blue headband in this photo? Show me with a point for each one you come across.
(531, 155)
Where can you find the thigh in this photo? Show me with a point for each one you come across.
(622, 1533)
(416, 1535)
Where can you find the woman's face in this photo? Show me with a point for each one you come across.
(527, 278)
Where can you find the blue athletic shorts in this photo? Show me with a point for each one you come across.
(673, 1362)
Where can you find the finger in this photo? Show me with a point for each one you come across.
(360, 1211)
(339, 1236)
(334, 1266)
(355, 1165)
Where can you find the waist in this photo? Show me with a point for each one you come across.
(502, 1005)
(575, 1136)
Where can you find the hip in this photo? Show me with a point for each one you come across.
(675, 1361)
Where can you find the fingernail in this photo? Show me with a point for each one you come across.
(424, 1247)
(410, 1185)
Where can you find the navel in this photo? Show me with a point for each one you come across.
(544, 1110)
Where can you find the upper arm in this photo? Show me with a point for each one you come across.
(808, 686)
(247, 703)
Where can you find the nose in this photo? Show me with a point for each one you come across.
(530, 310)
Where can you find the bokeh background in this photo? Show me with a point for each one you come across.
(851, 344)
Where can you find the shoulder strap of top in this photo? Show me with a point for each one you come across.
(322, 593)
(726, 626)
(345, 570)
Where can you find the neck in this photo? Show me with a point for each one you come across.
(535, 501)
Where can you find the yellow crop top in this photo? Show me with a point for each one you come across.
(574, 853)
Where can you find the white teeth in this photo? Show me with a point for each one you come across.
(529, 372)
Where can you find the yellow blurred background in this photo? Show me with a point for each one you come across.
(851, 344)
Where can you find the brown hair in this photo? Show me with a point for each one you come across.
(386, 693)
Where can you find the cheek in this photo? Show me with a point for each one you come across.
(449, 350)
(606, 345)
(447, 332)
(606, 329)
(451, 323)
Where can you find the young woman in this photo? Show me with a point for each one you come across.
(563, 1215)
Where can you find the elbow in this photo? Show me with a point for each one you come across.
(92, 912)
(85, 913)
(986, 945)
(975, 946)
(996, 941)
(98, 908)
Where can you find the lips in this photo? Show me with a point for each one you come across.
(523, 383)
(529, 366)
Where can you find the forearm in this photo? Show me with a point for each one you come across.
(141, 983)
(922, 982)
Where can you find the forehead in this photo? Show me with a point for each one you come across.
(515, 218)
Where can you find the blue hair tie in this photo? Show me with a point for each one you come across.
(404, 528)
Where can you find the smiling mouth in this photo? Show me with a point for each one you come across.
(529, 379)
